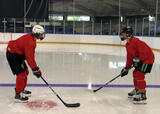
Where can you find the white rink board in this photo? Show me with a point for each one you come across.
(153, 42)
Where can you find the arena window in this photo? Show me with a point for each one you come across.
(55, 18)
(78, 18)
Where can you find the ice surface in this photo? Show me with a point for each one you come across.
(74, 69)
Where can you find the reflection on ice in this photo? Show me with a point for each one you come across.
(75, 72)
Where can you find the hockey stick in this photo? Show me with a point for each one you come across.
(110, 81)
(66, 104)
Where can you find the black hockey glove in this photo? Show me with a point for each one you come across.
(37, 72)
(124, 71)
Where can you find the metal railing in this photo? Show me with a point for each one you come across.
(141, 27)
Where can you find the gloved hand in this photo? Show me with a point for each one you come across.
(124, 71)
(37, 72)
(137, 63)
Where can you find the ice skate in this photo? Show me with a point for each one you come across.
(19, 98)
(26, 93)
(133, 93)
(140, 98)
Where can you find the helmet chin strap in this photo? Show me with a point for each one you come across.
(122, 39)
(41, 38)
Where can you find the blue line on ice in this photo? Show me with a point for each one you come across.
(78, 85)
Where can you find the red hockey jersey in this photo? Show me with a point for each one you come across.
(26, 44)
(138, 48)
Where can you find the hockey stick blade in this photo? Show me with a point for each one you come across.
(96, 90)
(72, 105)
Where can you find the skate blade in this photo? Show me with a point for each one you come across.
(20, 101)
(140, 102)
(27, 95)
(130, 97)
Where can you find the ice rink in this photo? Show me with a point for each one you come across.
(73, 72)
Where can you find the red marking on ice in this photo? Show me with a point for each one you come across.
(41, 104)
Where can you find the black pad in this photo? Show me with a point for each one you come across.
(15, 62)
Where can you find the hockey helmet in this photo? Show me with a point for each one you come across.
(37, 31)
(128, 30)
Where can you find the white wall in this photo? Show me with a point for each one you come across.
(153, 42)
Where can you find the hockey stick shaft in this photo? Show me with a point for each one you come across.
(67, 105)
(52, 90)
(110, 81)
(106, 83)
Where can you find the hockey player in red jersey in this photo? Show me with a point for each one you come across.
(18, 51)
(140, 55)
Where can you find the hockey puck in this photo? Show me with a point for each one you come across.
(41, 104)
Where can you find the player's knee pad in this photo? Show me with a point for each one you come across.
(22, 75)
(139, 75)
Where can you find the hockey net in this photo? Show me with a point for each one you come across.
(5, 37)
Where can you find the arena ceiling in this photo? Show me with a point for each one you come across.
(103, 7)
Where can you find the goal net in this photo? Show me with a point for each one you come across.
(5, 37)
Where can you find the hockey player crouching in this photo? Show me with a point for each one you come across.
(140, 55)
(18, 51)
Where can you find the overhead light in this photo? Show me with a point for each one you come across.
(151, 18)
(121, 18)
(80, 53)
